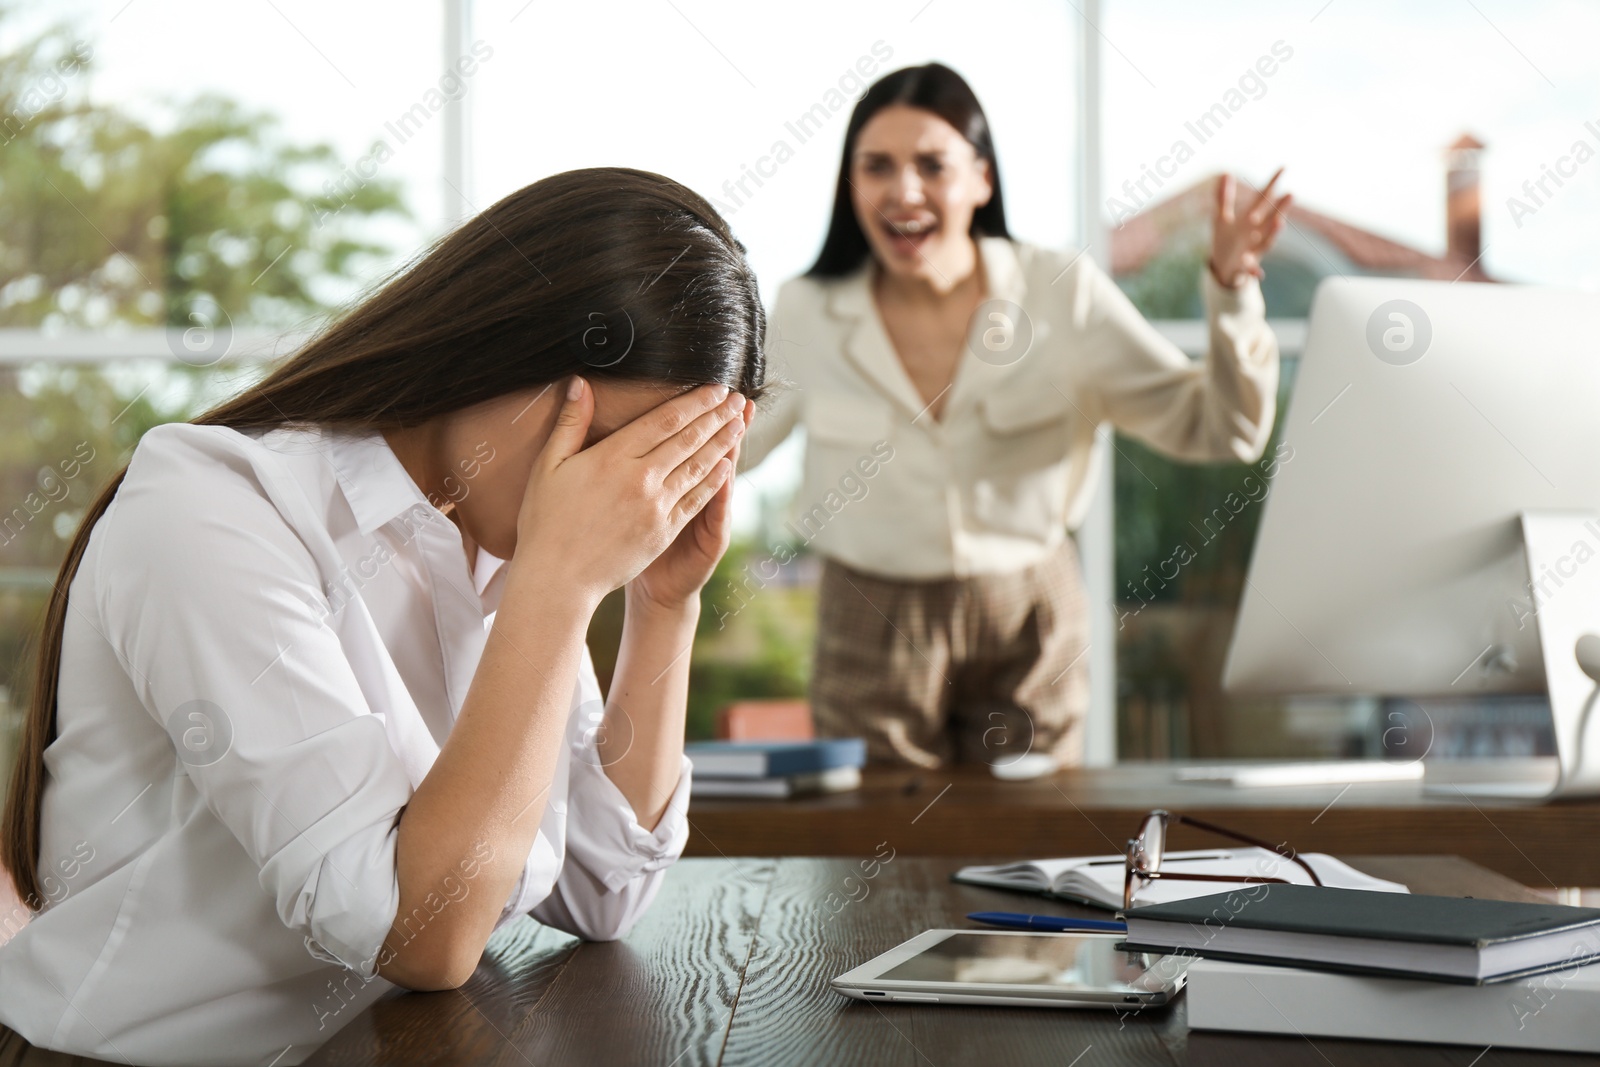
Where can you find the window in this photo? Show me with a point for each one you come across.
(1417, 144)
(192, 195)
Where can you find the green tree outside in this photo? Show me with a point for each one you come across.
(212, 224)
(1175, 519)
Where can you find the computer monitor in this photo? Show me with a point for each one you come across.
(1442, 438)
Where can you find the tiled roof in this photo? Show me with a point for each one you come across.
(1185, 214)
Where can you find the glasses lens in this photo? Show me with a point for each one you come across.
(1132, 880)
(1153, 840)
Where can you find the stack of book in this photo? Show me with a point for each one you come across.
(776, 769)
(1293, 959)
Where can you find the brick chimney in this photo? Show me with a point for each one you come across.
(1463, 214)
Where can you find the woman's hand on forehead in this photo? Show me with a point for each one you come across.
(607, 419)
(673, 417)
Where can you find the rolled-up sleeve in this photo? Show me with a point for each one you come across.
(214, 606)
(604, 835)
(614, 866)
(1219, 409)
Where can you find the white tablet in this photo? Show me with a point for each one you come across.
(1017, 967)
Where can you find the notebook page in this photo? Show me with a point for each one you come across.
(1105, 883)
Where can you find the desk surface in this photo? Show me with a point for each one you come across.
(731, 966)
(966, 811)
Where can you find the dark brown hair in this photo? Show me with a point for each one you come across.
(609, 272)
(932, 87)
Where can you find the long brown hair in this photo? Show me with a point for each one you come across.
(608, 272)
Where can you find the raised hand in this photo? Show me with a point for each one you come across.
(1238, 242)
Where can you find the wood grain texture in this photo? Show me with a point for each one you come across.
(789, 1015)
(464, 1025)
(664, 994)
(1095, 810)
(731, 966)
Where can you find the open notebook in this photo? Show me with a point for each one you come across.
(1097, 880)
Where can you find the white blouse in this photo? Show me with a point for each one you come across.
(996, 481)
(268, 640)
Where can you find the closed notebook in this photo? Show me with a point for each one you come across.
(773, 759)
(1097, 880)
(1446, 939)
(836, 780)
(1555, 1010)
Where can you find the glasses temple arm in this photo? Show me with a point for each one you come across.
(1291, 855)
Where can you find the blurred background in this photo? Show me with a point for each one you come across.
(187, 187)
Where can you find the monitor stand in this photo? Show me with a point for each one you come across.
(1564, 568)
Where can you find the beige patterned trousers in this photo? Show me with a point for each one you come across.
(977, 670)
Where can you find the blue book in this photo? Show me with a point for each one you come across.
(774, 759)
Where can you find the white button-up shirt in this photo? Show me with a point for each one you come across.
(267, 642)
(996, 481)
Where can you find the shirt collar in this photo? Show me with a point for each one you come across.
(380, 490)
(867, 342)
(375, 483)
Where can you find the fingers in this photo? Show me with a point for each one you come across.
(1266, 193)
(673, 451)
(722, 442)
(719, 513)
(572, 421)
(700, 495)
(1264, 234)
(1264, 206)
(1242, 247)
(1261, 203)
(749, 413)
(662, 422)
(1225, 189)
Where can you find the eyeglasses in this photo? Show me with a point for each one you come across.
(1143, 864)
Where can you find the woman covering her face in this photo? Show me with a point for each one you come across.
(313, 712)
(950, 381)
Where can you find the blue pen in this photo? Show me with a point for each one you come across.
(1053, 923)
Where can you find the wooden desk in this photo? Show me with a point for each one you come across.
(966, 811)
(731, 965)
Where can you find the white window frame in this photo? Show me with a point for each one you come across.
(1096, 538)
